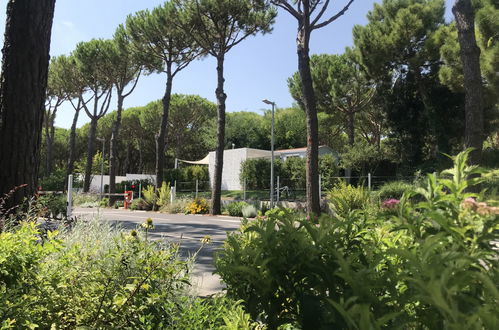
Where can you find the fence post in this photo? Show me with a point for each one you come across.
(69, 204)
(320, 186)
(369, 180)
(244, 190)
(140, 190)
(171, 193)
(278, 186)
(197, 188)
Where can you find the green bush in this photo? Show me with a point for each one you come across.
(140, 204)
(394, 189)
(344, 198)
(53, 205)
(256, 172)
(235, 209)
(178, 206)
(104, 202)
(430, 266)
(54, 182)
(149, 196)
(163, 195)
(99, 277)
(85, 200)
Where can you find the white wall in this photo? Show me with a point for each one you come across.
(95, 183)
(232, 165)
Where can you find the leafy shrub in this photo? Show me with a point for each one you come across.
(149, 196)
(344, 198)
(235, 209)
(53, 205)
(85, 200)
(140, 204)
(178, 206)
(99, 277)
(394, 189)
(432, 265)
(104, 202)
(249, 211)
(55, 181)
(198, 206)
(163, 195)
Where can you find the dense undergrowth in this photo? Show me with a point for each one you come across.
(427, 261)
(99, 277)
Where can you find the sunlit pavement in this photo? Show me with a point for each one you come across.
(187, 230)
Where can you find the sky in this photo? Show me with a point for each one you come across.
(256, 69)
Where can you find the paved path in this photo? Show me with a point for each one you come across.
(188, 230)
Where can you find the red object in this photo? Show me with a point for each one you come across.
(133, 186)
(128, 199)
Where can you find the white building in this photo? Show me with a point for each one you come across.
(232, 165)
(234, 157)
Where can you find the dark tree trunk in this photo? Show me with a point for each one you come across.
(312, 172)
(161, 136)
(90, 154)
(72, 143)
(113, 150)
(23, 84)
(470, 57)
(216, 193)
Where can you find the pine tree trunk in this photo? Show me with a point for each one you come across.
(312, 172)
(23, 84)
(113, 150)
(72, 144)
(470, 57)
(90, 154)
(216, 193)
(161, 136)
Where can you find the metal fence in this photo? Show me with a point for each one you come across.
(285, 189)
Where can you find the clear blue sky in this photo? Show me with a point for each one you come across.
(255, 69)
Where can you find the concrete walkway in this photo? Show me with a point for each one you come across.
(187, 230)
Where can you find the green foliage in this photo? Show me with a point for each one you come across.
(244, 129)
(363, 157)
(163, 195)
(432, 265)
(54, 182)
(394, 189)
(256, 172)
(53, 205)
(140, 204)
(198, 206)
(100, 277)
(104, 202)
(249, 211)
(149, 196)
(235, 209)
(178, 206)
(345, 198)
(85, 200)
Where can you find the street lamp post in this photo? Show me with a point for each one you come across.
(103, 140)
(272, 154)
